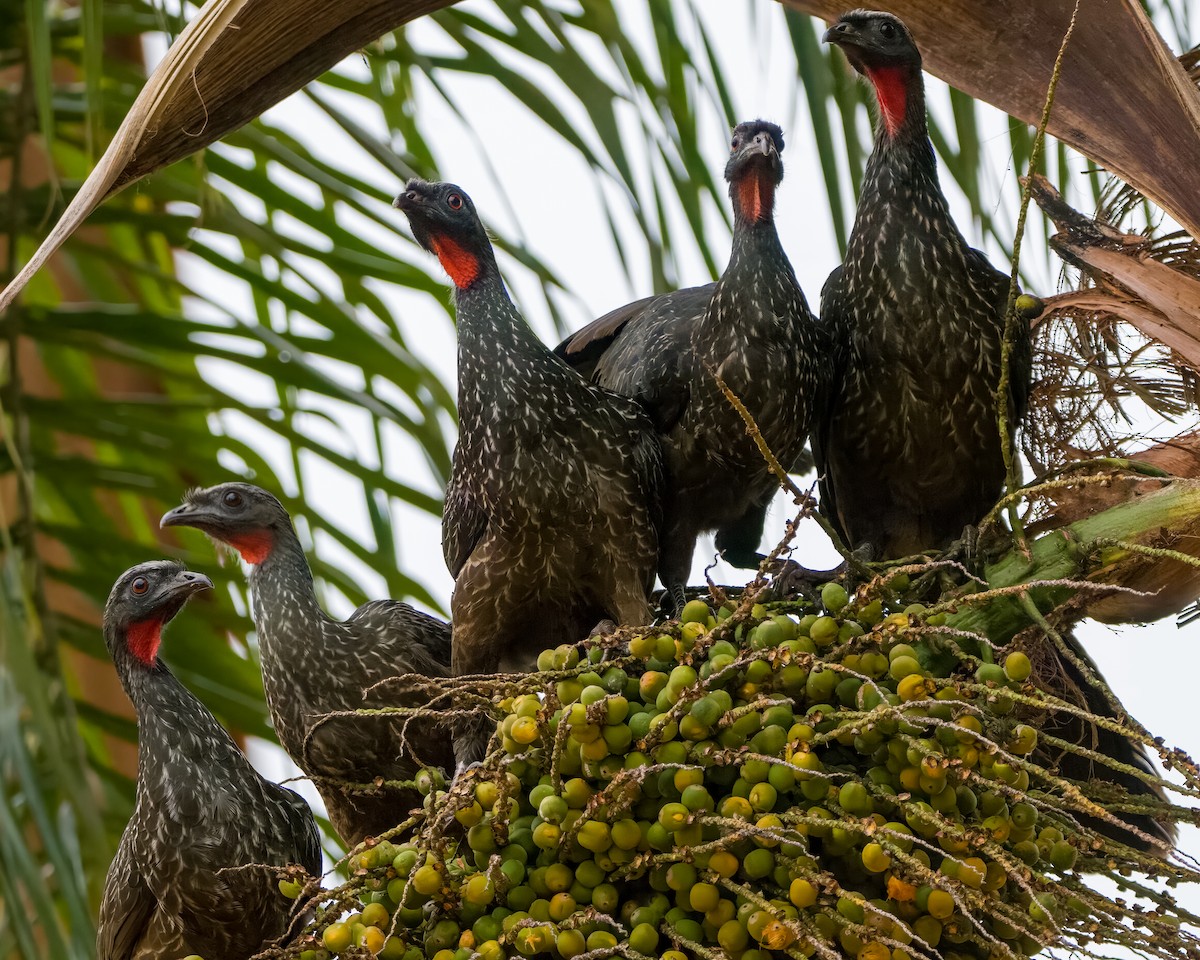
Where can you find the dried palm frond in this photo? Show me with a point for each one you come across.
(1117, 358)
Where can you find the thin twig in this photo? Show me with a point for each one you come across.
(1011, 327)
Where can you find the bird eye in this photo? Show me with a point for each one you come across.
(887, 30)
(139, 586)
(455, 201)
(737, 142)
(232, 498)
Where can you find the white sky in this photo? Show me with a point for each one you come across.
(561, 217)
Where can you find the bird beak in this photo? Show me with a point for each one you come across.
(180, 516)
(186, 515)
(186, 583)
(411, 198)
(766, 144)
(841, 32)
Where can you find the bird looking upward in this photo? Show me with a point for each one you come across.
(910, 452)
(313, 665)
(754, 329)
(202, 811)
(552, 510)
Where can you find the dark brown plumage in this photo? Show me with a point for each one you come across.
(551, 514)
(314, 665)
(754, 328)
(201, 807)
(909, 453)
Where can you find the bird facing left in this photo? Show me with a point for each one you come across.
(314, 665)
(195, 868)
(552, 511)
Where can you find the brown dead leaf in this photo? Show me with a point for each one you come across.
(234, 60)
(1123, 99)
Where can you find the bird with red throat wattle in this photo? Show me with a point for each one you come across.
(551, 517)
(314, 666)
(754, 330)
(195, 871)
(910, 453)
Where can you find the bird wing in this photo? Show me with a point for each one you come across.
(995, 285)
(463, 524)
(417, 642)
(582, 349)
(832, 316)
(653, 362)
(125, 910)
(305, 838)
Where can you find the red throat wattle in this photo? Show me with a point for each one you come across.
(891, 89)
(144, 639)
(457, 261)
(756, 195)
(253, 547)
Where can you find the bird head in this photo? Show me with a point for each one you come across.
(239, 515)
(872, 38)
(444, 222)
(879, 46)
(144, 599)
(755, 168)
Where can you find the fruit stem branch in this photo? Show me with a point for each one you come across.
(1011, 465)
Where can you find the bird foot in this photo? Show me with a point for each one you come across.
(671, 602)
(975, 551)
(464, 769)
(791, 580)
(971, 552)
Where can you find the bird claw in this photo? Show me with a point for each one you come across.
(672, 602)
(791, 580)
(603, 628)
(974, 551)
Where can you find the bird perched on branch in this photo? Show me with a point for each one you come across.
(178, 884)
(314, 665)
(910, 450)
(552, 510)
(754, 329)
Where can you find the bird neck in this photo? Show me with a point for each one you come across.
(166, 710)
(752, 241)
(285, 600)
(465, 266)
(496, 346)
(753, 196)
(900, 188)
(134, 652)
(900, 94)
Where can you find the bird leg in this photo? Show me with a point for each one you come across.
(471, 736)
(672, 600)
(974, 550)
(791, 580)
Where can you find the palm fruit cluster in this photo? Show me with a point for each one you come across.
(849, 779)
